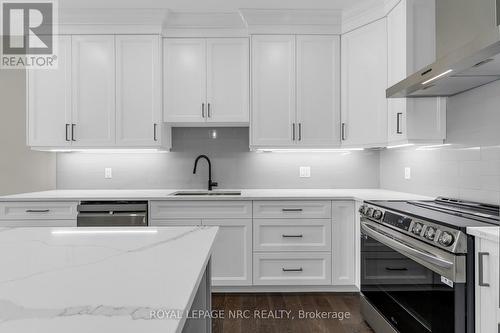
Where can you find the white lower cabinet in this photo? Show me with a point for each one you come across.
(232, 255)
(487, 286)
(344, 237)
(292, 268)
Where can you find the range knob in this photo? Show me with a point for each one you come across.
(446, 239)
(430, 233)
(362, 209)
(417, 229)
(369, 212)
(377, 214)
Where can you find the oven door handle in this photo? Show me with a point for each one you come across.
(374, 233)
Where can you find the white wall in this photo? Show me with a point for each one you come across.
(469, 168)
(233, 166)
(21, 170)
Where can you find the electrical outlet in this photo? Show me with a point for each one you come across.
(305, 172)
(108, 173)
(407, 173)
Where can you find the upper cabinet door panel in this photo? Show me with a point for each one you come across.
(364, 80)
(228, 80)
(273, 90)
(94, 90)
(185, 80)
(318, 90)
(49, 101)
(138, 91)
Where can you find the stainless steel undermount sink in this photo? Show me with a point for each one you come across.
(206, 193)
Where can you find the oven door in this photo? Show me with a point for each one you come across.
(414, 286)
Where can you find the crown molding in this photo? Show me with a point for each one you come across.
(366, 12)
(189, 24)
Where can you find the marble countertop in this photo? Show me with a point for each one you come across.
(103, 280)
(489, 233)
(246, 194)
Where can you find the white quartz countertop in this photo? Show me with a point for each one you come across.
(253, 194)
(490, 233)
(62, 280)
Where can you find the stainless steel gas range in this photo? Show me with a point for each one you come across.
(417, 264)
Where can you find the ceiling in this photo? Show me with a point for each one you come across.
(214, 5)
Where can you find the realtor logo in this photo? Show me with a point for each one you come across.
(28, 34)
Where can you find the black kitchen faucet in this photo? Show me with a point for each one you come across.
(211, 184)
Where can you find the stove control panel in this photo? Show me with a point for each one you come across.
(438, 235)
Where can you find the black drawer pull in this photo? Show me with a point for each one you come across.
(292, 209)
(37, 210)
(292, 269)
(292, 236)
(396, 269)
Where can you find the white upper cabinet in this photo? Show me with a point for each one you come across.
(185, 80)
(138, 91)
(295, 91)
(93, 91)
(273, 91)
(49, 101)
(411, 46)
(318, 90)
(364, 80)
(206, 80)
(227, 80)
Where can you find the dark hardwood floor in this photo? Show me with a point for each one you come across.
(256, 318)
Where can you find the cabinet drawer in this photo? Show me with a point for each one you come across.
(38, 210)
(200, 209)
(292, 268)
(38, 223)
(292, 235)
(174, 222)
(292, 209)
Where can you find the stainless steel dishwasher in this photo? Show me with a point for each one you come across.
(112, 214)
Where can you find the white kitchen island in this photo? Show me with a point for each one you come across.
(107, 280)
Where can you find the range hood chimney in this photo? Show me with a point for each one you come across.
(467, 49)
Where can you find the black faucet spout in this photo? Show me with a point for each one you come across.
(211, 184)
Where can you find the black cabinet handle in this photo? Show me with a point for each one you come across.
(67, 132)
(154, 132)
(481, 256)
(399, 115)
(203, 110)
(37, 210)
(300, 131)
(396, 269)
(208, 111)
(292, 236)
(293, 132)
(73, 126)
(292, 269)
(292, 210)
(342, 131)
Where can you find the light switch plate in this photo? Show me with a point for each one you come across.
(305, 172)
(108, 173)
(407, 173)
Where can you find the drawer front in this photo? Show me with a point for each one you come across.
(292, 209)
(38, 210)
(174, 222)
(200, 209)
(37, 223)
(292, 269)
(292, 235)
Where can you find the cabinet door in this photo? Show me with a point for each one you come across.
(318, 90)
(185, 80)
(344, 243)
(228, 80)
(273, 91)
(138, 91)
(93, 91)
(397, 69)
(364, 80)
(487, 299)
(232, 256)
(49, 101)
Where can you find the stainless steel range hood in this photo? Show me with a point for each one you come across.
(467, 47)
